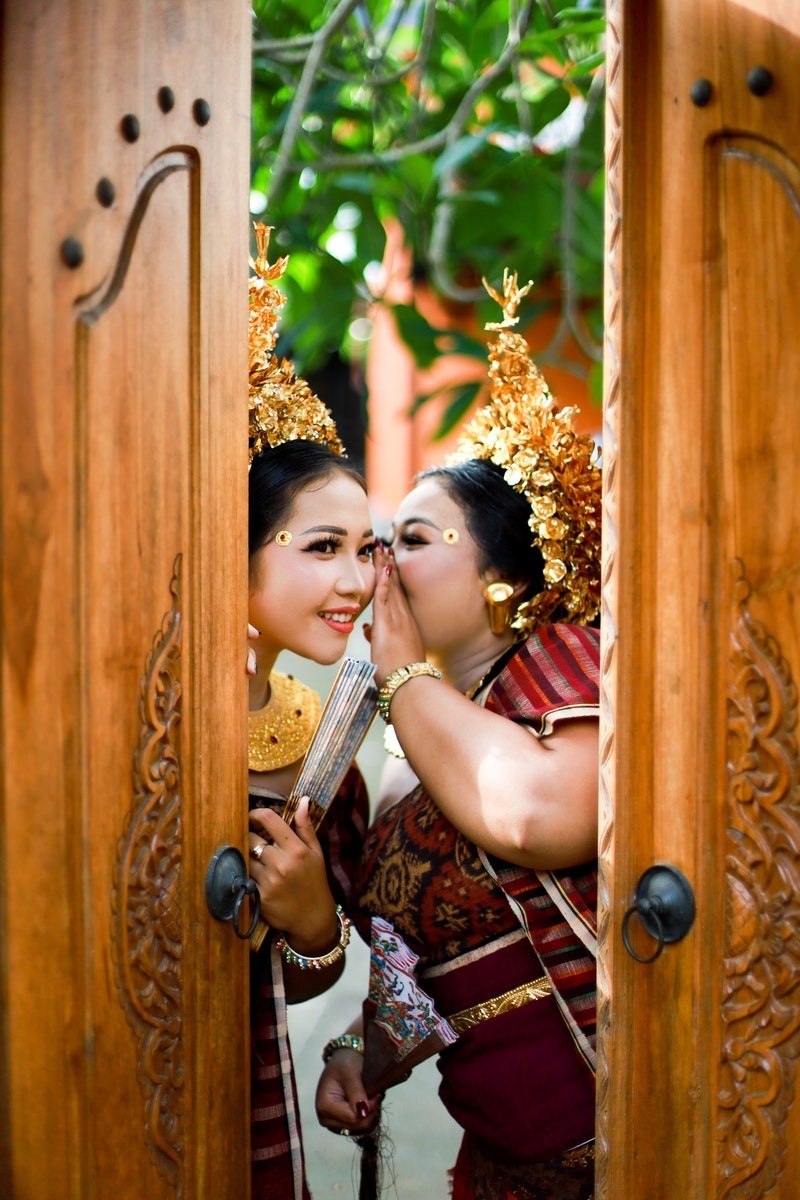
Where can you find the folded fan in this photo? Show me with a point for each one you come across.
(341, 729)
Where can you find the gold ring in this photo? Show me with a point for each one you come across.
(344, 1132)
(258, 850)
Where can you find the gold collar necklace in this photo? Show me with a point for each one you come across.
(281, 731)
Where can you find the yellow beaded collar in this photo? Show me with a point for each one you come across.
(281, 731)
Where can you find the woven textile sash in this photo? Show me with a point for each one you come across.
(557, 668)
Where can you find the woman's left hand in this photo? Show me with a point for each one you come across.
(292, 879)
(394, 637)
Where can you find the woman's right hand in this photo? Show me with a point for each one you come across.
(393, 636)
(341, 1101)
(251, 665)
(292, 880)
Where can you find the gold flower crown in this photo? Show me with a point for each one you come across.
(555, 469)
(283, 408)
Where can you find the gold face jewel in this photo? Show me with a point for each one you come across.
(283, 537)
(450, 536)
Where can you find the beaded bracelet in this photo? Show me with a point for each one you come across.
(398, 678)
(316, 963)
(345, 1041)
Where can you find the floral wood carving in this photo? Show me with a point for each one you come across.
(146, 900)
(761, 986)
(608, 625)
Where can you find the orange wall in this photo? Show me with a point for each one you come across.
(398, 446)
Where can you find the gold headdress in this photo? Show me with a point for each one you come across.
(283, 408)
(542, 457)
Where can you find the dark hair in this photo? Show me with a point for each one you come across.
(277, 476)
(497, 518)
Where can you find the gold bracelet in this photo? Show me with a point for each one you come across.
(398, 678)
(345, 1041)
(317, 962)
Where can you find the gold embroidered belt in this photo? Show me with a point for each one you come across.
(537, 989)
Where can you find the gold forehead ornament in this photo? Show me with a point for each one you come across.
(282, 407)
(534, 442)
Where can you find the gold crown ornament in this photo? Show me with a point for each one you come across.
(525, 433)
(283, 408)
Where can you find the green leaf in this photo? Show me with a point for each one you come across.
(588, 64)
(463, 400)
(595, 383)
(454, 342)
(461, 151)
(418, 335)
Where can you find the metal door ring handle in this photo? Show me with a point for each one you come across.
(664, 904)
(227, 884)
(652, 912)
(244, 887)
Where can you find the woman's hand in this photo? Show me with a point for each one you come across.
(292, 880)
(252, 665)
(341, 1101)
(393, 636)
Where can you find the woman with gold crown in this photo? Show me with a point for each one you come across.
(311, 576)
(478, 881)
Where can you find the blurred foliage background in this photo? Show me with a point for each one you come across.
(476, 125)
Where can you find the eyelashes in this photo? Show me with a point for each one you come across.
(323, 545)
(331, 543)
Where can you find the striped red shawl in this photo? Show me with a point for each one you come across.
(277, 1166)
(555, 674)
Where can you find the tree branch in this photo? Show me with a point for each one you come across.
(445, 211)
(321, 38)
(570, 301)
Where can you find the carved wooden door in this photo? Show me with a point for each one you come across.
(125, 141)
(700, 751)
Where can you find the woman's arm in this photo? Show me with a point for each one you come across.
(531, 802)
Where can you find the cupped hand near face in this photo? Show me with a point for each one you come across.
(394, 637)
(292, 880)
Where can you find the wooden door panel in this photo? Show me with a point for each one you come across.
(125, 138)
(134, 495)
(757, 433)
(701, 644)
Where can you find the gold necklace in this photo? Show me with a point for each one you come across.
(281, 731)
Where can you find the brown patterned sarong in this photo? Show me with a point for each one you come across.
(567, 1176)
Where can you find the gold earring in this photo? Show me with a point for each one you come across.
(498, 596)
(283, 537)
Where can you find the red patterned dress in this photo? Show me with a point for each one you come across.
(277, 1165)
(452, 930)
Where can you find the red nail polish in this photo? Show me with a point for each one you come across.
(361, 1110)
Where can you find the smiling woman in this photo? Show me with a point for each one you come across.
(477, 886)
(311, 570)
(310, 576)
